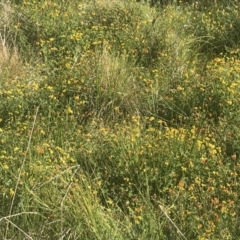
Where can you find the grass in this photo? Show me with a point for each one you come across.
(119, 121)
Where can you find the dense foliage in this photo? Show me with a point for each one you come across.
(119, 120)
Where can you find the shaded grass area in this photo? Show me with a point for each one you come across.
(119, 121)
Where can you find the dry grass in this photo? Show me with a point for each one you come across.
(9, 59)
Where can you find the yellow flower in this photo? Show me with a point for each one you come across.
(151, 119)
(184, 169)
(202, 238)
(5, 166)
(11, 191)
(69, 110)
(180, 88)
(49, 88)
(199, 144)
(15, 149)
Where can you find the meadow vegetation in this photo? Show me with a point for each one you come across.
(119, 120)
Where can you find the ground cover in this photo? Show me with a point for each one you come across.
(119, 121)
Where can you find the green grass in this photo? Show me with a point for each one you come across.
(119, 121)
